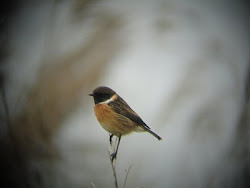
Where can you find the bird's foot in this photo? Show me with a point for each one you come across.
(113, 156)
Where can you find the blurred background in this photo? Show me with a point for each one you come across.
(183, 66)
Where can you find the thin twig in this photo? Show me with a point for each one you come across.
(113, 161)
(113, 168)
(93, 185)
(127, 172)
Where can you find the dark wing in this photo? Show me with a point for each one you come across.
(121, 107)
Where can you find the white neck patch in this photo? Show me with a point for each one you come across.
(109, 100)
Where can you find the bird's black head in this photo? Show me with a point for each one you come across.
(101, 94)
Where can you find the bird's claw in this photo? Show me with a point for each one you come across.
(113, 156)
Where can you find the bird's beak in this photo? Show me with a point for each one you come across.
(91, 95)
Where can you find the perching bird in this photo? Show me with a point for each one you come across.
(115, 115)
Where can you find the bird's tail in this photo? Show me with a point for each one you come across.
(151, 132)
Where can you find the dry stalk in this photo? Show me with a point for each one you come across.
(127, 172)
(113, 162)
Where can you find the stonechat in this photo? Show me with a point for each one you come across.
(115, 115)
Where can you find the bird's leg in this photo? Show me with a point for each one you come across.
(114, 155)
(110, 139)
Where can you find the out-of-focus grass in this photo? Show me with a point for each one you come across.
(61, 82)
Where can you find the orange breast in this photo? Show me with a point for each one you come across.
(113, 122)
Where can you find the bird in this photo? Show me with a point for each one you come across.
(116, 116)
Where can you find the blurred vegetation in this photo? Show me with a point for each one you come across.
(55, 95)
(28, 136)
